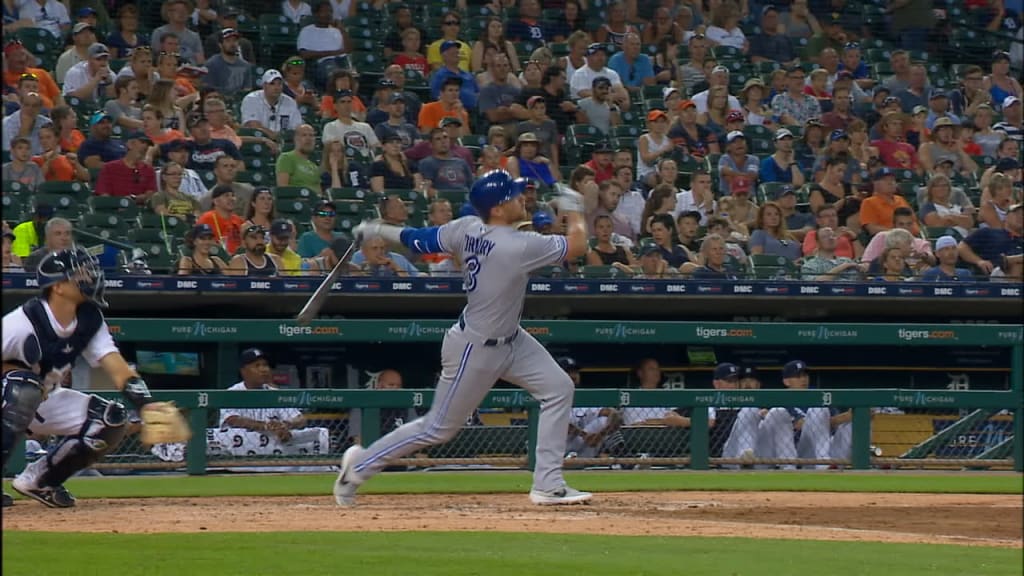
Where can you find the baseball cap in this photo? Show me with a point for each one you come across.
(534, 100)
(599, 81)
(541, 219)
(603, 148)
(176, 144)
(1010, 101)
(687, 104)
(735, 135)
(229, 12)
(229, 32)
(768, 8)
(220, 190)
(567, 363)
(667, 91)
(918, 110)
(783, 191)
(196, 120)
(280, 228)
(937, 94)
(250, 355)
(386, 83)
(1007, 164)
(691, 214)
(838, 135)
(943, 160)
(783, 133)
(748, 372)
(945, 242)
(339, 94)
(325, 203)
(137, 135)
(727, 371)
(271, 75)
(447, 44)
(80, 26)
(98, 50)
(794, 368)
(86, 11)
(649, 250)
(596, 47)
(655, 115)
(734, 116)
(720, 68)
(890, 100)
(448, 121)
(99, 117)
(392, 137)
(1000, 55)
(1015, 207)
(751, 83)
(942, 122)
(44, 210)
(882, 172)
(200, 230)
(397, 97)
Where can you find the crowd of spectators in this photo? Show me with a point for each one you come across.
(816, 140)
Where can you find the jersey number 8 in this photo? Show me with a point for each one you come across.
(471, 270)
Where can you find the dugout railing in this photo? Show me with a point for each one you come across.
(889, 427)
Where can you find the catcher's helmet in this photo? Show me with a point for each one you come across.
(73, 264)
(494, 188)
(567, 363)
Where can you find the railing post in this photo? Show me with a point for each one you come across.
(369, 426)
(195, 459)
(532, 422)
(699, 438)
(1016, 374)
(861, 445)
(226, 369)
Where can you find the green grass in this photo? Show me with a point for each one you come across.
(489, 554)
(513, 482)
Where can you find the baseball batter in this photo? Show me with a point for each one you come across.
(41, 341)
(486, 343)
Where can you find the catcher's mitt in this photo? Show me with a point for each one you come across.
(163, 424)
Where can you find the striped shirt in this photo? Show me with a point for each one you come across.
(1011, 130)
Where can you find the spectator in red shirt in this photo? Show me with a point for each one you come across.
(892, 150)
(130, 176)
(601, 163)
(226, 225)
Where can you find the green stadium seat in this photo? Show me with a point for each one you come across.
(600, 272)
(76, 190)
(626, 131)
(254, 177)
(772, 267)
(107, 225)
(295, 193)
(148, 236)
(172, 225)
(294, 208)
(118, 205)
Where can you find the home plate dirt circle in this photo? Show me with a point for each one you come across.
(965, 519)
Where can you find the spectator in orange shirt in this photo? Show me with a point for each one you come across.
(342, 80)
(448, 105)
(16, 58)
(58, 167)
(152, 125)
(876, 212)
(226, 225)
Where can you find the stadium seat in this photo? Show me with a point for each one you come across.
(118, 205)
(76, 190)
(294, 193)
(772, 267)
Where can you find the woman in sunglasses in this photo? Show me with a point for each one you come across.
(295, 84)
(200, 262)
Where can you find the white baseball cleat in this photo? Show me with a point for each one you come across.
(560, 496)
(348, 480)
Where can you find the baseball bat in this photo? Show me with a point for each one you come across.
(316, 301)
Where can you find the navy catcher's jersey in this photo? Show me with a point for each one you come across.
(34, 339)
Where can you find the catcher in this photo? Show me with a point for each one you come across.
(41, 341)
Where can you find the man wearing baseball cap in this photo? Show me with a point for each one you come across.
(738, 170)
(598, 108)
(226, 71)
(281, 234)
(92, 78)
(876, 212)
(396, 123)
(601, 162)
(451, 24)
(947, 253)
(99, 148)
(1011, 124)
(269, 109)
(83, 35)
(130, 176)
(227, 17)
(719, 77)
(581, 84)
(469, 91)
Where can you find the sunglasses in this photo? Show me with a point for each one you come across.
(296, 62)
(175, 54)
(255, 230)
(28, 76)
(143, 49)
(326, 213)
(451, 22)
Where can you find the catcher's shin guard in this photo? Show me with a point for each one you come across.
(22, 395)
(101, 433)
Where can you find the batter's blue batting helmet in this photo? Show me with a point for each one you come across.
(494, 188)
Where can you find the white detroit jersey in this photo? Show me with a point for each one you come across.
(261, 414)
(497, 262)
(19, 335)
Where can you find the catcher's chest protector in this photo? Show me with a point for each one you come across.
(59, 354)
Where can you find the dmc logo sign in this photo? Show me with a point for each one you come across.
(709, 333)
(911, 335)
(113, 283)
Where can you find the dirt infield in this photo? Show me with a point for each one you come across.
(975, 520)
